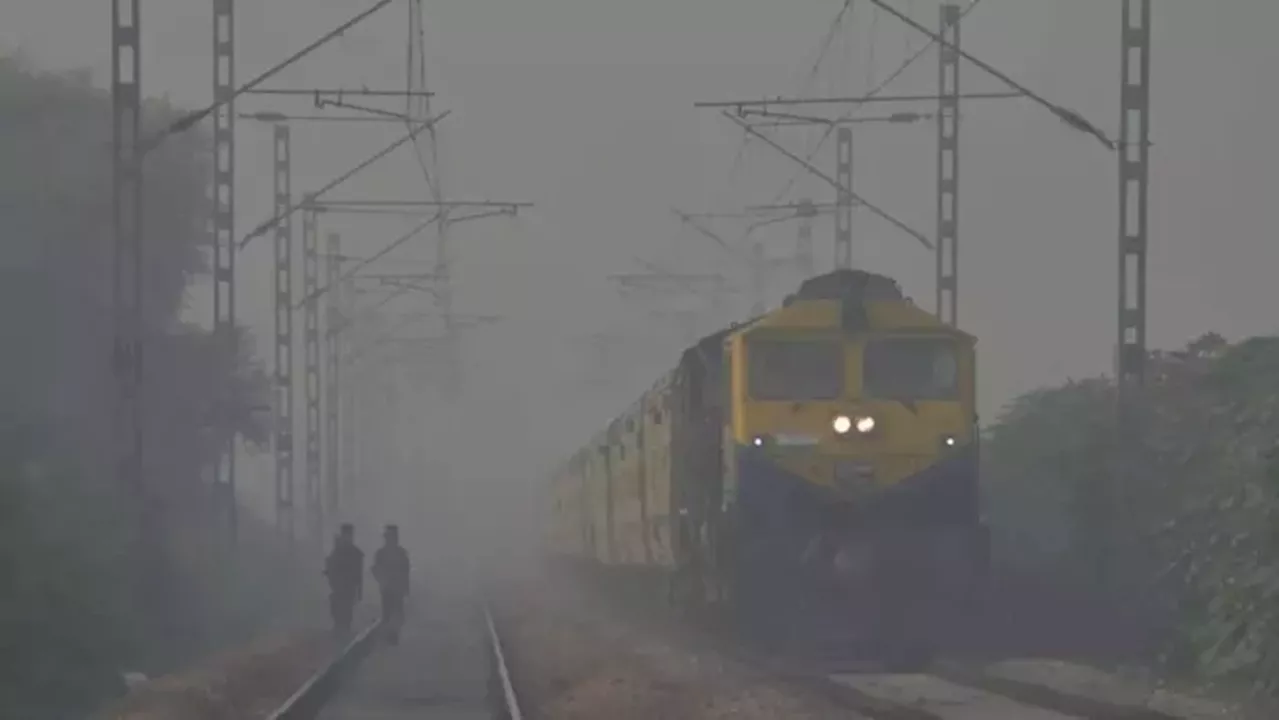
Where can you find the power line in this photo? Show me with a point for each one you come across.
(1068, 116)
(266, 225)
(193, 118)
(837, 185)
(833, 28)
(873, 92)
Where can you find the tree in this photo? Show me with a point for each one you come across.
(1191, 537)
(63, 540)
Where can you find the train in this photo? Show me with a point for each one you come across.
(809, 475)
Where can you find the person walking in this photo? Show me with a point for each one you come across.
(344, 569)
(391, 570)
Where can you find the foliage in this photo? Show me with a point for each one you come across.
(1188, 532)
(63, 612)
(67, 532)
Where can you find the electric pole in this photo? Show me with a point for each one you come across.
(127, 298)
(283, 284)
(804, 239)
(1135, 111)
(844, 199)
(224, 257)
(759, 279)
(312, 483)
(1132, 154)
(334, 322)
(948, 207)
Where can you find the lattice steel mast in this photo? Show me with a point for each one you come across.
(127, 291)
(844, 199)
(224, 252)
(334, 322)
(948, 208)
(1133, 149)
(349, 397)
(804, 238)
(312, 487)
(283, 284)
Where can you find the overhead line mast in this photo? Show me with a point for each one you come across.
(312, 470)
(129, 317)
(947, 212)
(224, 256)
(129, 150)
(1134, 171)
(844, 199)
(283, 286)
(334, 321)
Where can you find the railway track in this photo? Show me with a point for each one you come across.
(1039, 692)
(1017, 689)
(506, 705)
(955, 689)
(311, 698)
(308, 700)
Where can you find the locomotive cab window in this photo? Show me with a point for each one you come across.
(910, 369)
(795, 369)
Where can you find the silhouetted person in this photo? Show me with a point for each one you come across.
(345, 569)
(391, 570)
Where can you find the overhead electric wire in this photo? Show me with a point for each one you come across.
(833, 28)
(871, 48)
(883, 214)
(349, 273)
(1066, 115)
(265, 226)
(413, 82)
(192, 118)
(872, 93)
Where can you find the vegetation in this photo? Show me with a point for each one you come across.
(1188, 536)
(69, 618)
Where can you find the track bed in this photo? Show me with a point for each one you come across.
(575, 658)
(579, 652)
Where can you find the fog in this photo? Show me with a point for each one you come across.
(586, 110)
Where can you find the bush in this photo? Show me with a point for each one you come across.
(69, 611)
(1189, 532)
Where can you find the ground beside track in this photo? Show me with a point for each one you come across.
(246, 683)
(574, 659)
(578, 652)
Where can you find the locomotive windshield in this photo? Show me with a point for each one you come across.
(795, 369)
(910, 369)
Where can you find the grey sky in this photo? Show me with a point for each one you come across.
(586, 109)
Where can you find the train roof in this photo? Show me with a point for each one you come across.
(866, 302)
(849, 285)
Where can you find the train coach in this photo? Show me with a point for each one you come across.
(810, 474)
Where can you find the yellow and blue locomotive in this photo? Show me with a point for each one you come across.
(811, 472)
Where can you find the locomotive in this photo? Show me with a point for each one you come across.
(809, 475)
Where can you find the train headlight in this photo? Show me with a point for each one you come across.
(841, 424)
(948, 441)
(761, 441)
(864, 424)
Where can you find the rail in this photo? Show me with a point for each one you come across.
(506, 705)
(316, 691)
